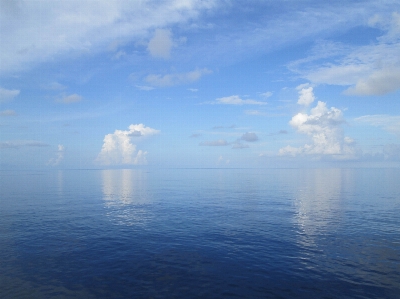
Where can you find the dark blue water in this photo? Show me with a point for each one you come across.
(200, 233)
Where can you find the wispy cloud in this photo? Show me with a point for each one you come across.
(220, 142)
(235, 100)
(69, 99)
(8, 113)
(177, 78)
(22, 143)
(8, 94)
(389, 123)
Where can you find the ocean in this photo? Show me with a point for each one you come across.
(200, 233)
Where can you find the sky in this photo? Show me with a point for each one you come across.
(199, 83)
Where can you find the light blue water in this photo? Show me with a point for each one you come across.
(200, 233)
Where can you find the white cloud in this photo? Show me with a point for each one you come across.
(323, 125)
(372, 69)
(220, 142)
(160, 45)
(306, 95)
(8, 113)
(236, 100)
(73, 98)
(7, 94)
(71, 26)
(267, 94)
(144, 87)
(118, 149)
(59, 156)
(249, 137)
(176, 79)
(387, 122)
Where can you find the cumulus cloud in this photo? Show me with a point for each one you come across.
(59, 156)
(7, 94)
(220, 142)
(323, 126)
(306, 95)
(8, 113)
(176, 79)
(249, 137)
(118, 147)
(266, 94)
(160, 45)
(236, 100)
(69, 99)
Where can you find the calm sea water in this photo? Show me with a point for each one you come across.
(200, 233)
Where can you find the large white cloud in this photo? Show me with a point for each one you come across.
(36, 31)
(118, 147)
(323, 126)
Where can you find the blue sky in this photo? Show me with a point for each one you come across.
(103, 84)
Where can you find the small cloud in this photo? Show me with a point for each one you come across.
(176, 79)
(239, 145)
(193, 89)
(59, 156)
(8, 94)
(255, 112)
(236, 100)
(195, 135)
(145, 88)
(54, 86)
(73, 98)
(219, 142)
(266, 94)
(161, 43)
(283, 132)
(8, 113)
(249, 137)
(119, 55)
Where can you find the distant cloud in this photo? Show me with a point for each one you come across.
(306, 95)
(282, 132)
(236, 100)
(144, 87)
(118, 149)
(267, 94)
(239, 145)
(54, 86)
(59, 156)
(249, 137)
(193, 89)
(8, 113)
(389, 123)
(323, 125)
(220, 142)
(22, 143)
(255, 112)
(8, 94)
(176, 79)
(195, 135)
(73, 98)
(161, 43)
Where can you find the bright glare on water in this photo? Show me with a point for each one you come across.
(200, 233)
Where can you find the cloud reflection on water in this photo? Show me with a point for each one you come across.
(125, 194)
